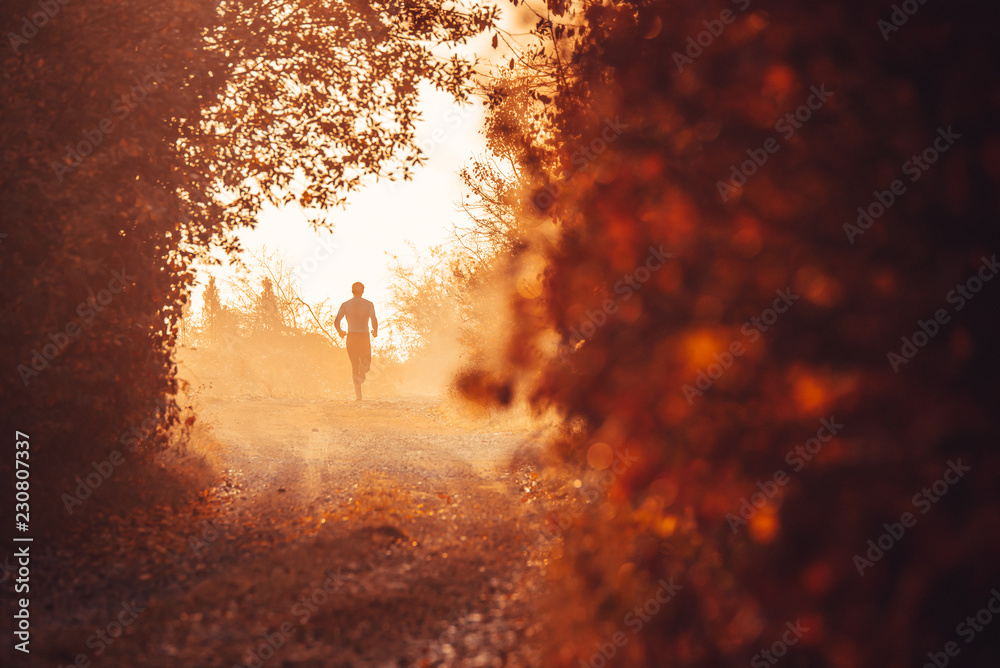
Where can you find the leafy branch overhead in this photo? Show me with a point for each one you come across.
(310, 97)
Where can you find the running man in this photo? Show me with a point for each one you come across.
(359, 346)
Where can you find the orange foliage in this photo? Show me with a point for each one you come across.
(697, 119)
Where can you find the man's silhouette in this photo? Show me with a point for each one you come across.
(359, 346)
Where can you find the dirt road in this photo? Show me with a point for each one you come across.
(375, 534)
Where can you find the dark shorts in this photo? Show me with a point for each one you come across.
(359, 349)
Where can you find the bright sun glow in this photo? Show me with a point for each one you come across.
(379, 220)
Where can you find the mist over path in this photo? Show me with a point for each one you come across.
(301, 444)
(379, 533)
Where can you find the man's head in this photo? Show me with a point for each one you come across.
(358, 289)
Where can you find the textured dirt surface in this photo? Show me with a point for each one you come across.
(380, 533)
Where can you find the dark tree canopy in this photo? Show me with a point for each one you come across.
(310, 97)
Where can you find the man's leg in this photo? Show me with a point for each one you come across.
(355, 351)
(365, 353)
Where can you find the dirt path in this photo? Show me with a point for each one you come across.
(345, 534)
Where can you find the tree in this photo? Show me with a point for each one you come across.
(491, 207)
(713, 407)
(310, 97)
(138, 136)
(212, 310)
(429, 305)
(267, 316)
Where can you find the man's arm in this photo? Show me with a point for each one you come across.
(371, 315)
(336, 322)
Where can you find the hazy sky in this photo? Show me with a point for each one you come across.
(379, 220)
